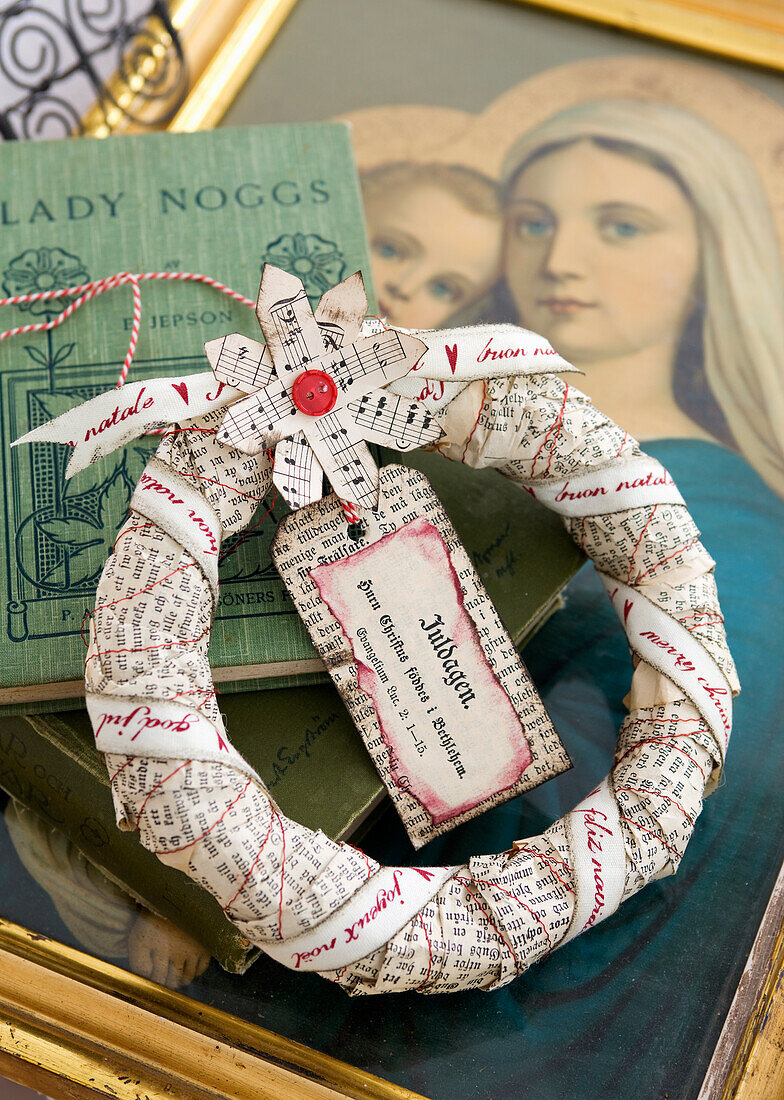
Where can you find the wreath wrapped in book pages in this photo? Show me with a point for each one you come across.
(484, 396)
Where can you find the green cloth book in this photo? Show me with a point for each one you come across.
(219, 203)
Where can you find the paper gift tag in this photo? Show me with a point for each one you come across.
(415, 646)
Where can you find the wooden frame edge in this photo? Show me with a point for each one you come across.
(735, 1062)
(741, 35)
(94, 1025)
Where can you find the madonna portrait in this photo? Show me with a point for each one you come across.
(631, 210)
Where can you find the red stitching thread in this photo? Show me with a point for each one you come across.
(208, 693)
(525, 905)
(715, 615)
(128, 530)
(147, 648)
(157, 786)
(666, 797)
(364, 856)
(663, 741)
(558, 427)
(489, 920)
(666, 721)
(546, 860)
(142, 591)
(217, 821)
(125, 765)
(663, 561)
(637, 547)
(258, 523)
(252, 868)
(555, 424)
(282, 873)
(656, 836)
(214, 481)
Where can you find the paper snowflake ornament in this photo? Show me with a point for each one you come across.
(316, 390)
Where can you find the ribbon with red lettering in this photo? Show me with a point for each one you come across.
(371, 916)
(455, 357)
(639, 483)
(99, 426)
(671, 649)
(162, 728)
(486, 351)
(598, 859)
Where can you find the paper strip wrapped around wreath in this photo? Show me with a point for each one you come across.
(312, 903)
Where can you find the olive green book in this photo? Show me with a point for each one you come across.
(520, 550)
(301, 741)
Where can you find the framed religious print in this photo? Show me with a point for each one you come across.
(606, 190)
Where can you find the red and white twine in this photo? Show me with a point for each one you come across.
(86, 291)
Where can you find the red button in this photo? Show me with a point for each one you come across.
(314, 393)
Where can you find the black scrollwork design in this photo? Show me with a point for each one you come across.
(94, 17)
(48, 117)
(57, 52)
(31, 47)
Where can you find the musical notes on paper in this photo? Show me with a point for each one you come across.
(383, 416)
(240, 362)
(258, 417)
(308, 354)
(292, 339)
(290, 328)
(297, 473)
(376, 358)
(346, 460)
(332, 335)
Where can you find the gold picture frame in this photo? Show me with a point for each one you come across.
(73, 1026)
(222, 41)
(745, 30)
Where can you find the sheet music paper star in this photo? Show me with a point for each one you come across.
(316, 390)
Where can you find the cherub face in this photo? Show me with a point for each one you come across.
(431, 254)
(601, 253)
